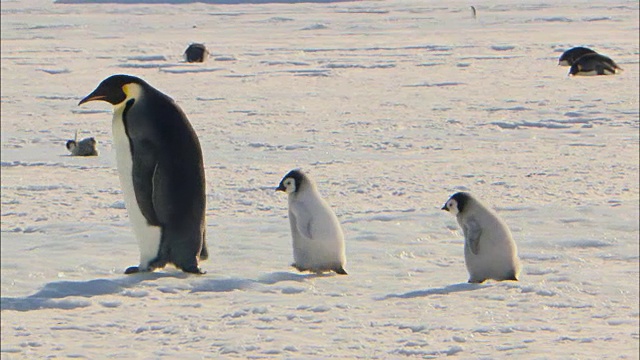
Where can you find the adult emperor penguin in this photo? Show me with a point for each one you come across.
(570, 56)
(489, 249)
(318, 241)
(594, 64)
(161, 172)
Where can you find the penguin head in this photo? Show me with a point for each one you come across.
(292, 182)
(196, 53)
(457, 203)
(116, 89)
(71, 144)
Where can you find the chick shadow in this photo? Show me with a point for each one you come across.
(53, 294)
(279, 276)
(446, 290)
(232, 284)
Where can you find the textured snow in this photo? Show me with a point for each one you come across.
(391, 106)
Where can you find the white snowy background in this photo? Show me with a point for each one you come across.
(391, 106)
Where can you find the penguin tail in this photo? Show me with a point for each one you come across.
(341, 271)
(204, 253)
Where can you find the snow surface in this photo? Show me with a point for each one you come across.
(391, 106)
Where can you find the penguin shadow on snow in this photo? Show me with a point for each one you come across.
(445, 290)
(53, 294)
(225, 285)
(278, 276)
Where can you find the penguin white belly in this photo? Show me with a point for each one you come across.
(148, 236)
(587, 73)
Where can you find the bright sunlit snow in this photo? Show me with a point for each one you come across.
(391, 106)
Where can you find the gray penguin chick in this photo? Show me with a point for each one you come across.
(318, 240)
(84, 147)
(489, 249)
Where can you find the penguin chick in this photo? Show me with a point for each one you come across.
(594, 64)
(489, 249)
(196, 53)
(570, 56)
(86, 147)
(161, 172)
(318, 240)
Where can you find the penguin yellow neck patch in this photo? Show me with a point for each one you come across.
(132, 91)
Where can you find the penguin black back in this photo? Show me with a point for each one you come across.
(570, 56)
(195, 53)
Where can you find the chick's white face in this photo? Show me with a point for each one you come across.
(452, 207)
(289, 185)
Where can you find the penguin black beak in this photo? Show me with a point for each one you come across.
(91, 97)
(444, 207)
(281, 188)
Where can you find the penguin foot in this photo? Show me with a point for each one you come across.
(157, 264)
(132, 270)
(476, 281)
(299, 268)
(193, 270)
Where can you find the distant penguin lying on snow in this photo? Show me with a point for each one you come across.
(318, 241)
(196, 53)
(594, 64)
(489, 249)
(86, 147)
(570, 56)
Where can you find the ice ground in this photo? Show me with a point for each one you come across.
(391, 106)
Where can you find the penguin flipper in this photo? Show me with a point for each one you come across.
(303, 221)
(472, 232)
(145, 166)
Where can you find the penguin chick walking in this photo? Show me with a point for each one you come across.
(318, 241)
(570, 56)
(85, 147)
(489, 249)
(161, 172)
(594, 64)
